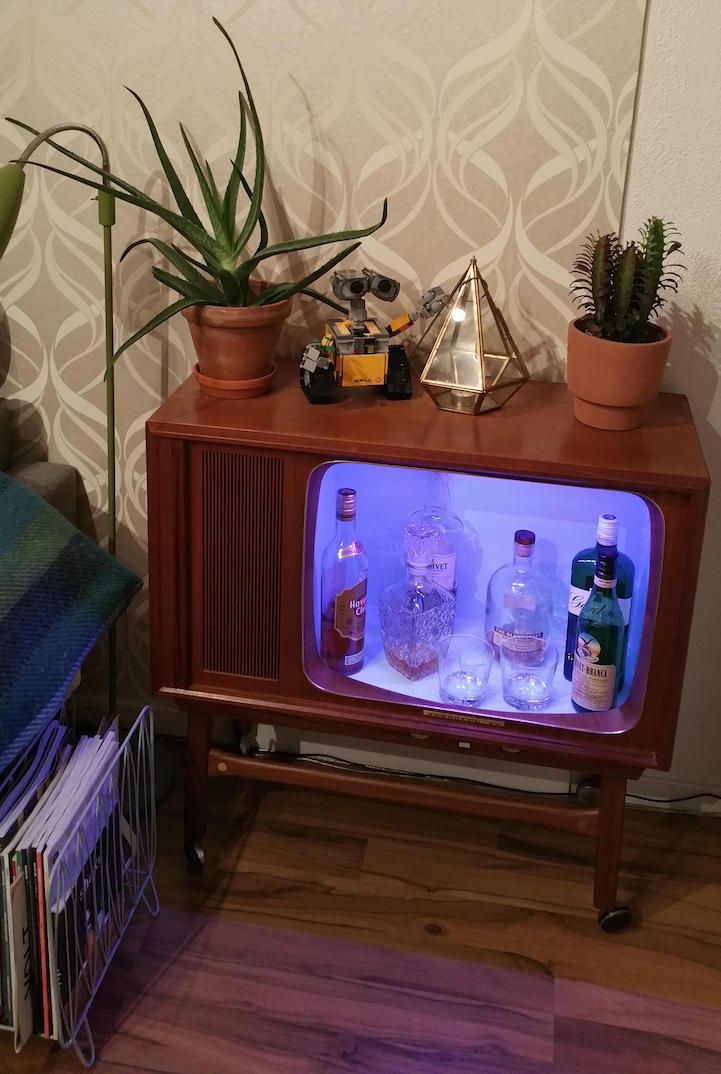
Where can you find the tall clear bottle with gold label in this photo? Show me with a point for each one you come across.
(343, 590)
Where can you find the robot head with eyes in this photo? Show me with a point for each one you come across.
(352, 287)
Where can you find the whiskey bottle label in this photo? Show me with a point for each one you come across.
(350, 611)
(593, 684)
(517, 643)
(577, 598)
(526, 601)
(443, 568)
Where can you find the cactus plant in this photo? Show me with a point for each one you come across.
(620, 287)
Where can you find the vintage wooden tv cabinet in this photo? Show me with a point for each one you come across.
(233, 487)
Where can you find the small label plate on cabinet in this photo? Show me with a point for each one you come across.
(462, 717)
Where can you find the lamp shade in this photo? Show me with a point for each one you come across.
(12, 181)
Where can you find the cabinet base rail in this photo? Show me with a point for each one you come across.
(602, 821)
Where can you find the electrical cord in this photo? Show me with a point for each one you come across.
(670, 801)
(330, 760)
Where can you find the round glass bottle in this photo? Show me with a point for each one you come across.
(519, 603)
(436, 511)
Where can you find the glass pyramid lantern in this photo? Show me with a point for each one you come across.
(461, 372)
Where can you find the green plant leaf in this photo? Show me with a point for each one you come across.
(196, 236)
(212, 203)
(202, 286)
(183, 287)
(257, 195)
(262, 223)
(318, 240)
(230, 198)
(323, 298)
(182, 200)
(210, 266)
(155, 322)
(280, 291)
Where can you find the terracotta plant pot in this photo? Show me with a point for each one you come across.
(613, 383)
(235, 346)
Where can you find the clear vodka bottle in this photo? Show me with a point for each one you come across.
(519, 603)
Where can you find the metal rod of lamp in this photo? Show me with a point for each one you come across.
(12, 181)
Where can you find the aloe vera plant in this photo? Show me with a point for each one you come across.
(620, 287)
(222, 272)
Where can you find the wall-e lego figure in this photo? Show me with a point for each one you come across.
(355, 351)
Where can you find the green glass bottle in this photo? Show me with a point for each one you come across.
(597, 661)
(583, 569)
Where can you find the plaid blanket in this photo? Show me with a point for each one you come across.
(59, 592)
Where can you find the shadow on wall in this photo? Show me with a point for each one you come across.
(28, 434)
(695, 370)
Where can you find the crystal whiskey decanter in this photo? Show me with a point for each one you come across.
(416, 613)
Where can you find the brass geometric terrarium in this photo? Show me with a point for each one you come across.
(460, 373)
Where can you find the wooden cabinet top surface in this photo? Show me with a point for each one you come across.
(534, 435)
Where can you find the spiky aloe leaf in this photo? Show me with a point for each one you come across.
(210, 196)
(181, 261)
(200, 295)
(154, 322)
(257, 197)
(262, 223)
(323, 298)
(230, 198)
(280, 291)
(294, 245)
(182, 200)
(196, 236)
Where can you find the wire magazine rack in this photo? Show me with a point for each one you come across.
(102, 872)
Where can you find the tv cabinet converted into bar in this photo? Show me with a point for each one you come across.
(239, 506)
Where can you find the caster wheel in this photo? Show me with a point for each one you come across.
(194, 858)
(588, 791)
(615, 920)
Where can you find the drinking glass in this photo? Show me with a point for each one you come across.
(464, 665)
(528, 677)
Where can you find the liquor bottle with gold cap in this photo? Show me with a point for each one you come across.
(343, 588)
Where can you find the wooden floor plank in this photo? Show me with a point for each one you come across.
(329, 935)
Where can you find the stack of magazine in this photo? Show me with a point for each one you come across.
(63, 847)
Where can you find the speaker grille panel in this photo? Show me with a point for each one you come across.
(242, 533)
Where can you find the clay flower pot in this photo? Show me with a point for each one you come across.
(612, 383)
(235, 346)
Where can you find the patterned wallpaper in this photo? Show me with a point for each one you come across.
(499, 129)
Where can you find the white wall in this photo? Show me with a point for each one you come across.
(675, 172)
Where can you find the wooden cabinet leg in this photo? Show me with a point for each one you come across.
(610, 835)
(199, 735)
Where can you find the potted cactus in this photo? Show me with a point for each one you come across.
(235, 317)
(616, 353)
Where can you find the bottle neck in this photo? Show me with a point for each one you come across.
(417, 574)
(522, 555)
(438, 492)
(604, 581)
(345, 530)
